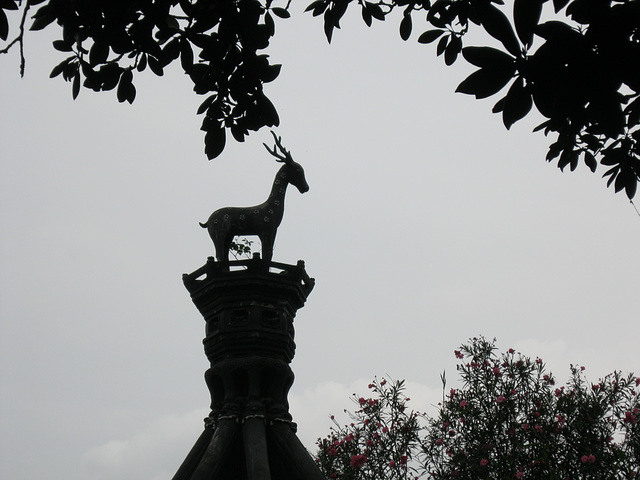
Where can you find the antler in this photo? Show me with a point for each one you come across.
(286, 158)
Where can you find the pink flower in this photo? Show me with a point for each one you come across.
(519, 473)
(439, 441)
(385, 429)
(357, 461)
(538, 428)
(332, 452)
(588, 458)
(500, 399)
(484, 462)
(496, 371)
(511, 351)
(525, 426)
(463, 403)
(392, 463)
(458, 354)
(362, 401)
(403, 459)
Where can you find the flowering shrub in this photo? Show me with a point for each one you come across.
(511, 420)
(508, 420)
(381, 441)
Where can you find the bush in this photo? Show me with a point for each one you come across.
(379, 443)
(508, 420)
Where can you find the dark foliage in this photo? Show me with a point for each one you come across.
(579, 69)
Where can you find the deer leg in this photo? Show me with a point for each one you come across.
(267, 246)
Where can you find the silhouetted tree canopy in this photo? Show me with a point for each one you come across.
(578, 64)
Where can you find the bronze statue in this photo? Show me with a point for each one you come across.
(261, 220)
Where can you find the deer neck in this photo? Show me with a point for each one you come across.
(278, 191)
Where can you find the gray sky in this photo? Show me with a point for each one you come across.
(426, 223)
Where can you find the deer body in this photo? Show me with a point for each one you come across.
(261, 220)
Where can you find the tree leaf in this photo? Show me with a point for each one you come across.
(485, 82)
(75, 89)
(366, 15)
(559, 4)
(375, 10)
(430, 36)
(518, 103)
(498, 26)
(4, 26)
(43, 17)
(452, 50)
(214, 140)
(62, 46)
(630, 186)
(526, 15)
(280, 12)
(58, 69)
(98, 53)
(124, 87)
(155, 66)
(590, 161)
(329, 24)
(442, 45)
(405, 27)
(488, 57)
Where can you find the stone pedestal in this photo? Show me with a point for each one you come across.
(249, 307)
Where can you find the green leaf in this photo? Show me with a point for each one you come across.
(75, 89)
(126, 91)
(518, 103)
(10, 5)
(58, 69)
(442, 44)
(281, 12)
(62, 46)
(590, 161)
(156, 66)
(405, 27)
(214, 140)
(375, 10)
(366, 15)
(4, 26)
(526, 15)
(186, 54)
(318, 7)
(43, 17)
(452, 50)
(485, 82)
(430, 36)
(488, 57)
(559, 4)
(498, 26)
(99, 53)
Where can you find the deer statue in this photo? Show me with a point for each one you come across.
(261, 220)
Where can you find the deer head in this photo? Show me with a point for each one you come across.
(294, 171)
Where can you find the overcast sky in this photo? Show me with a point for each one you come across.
(426, 223)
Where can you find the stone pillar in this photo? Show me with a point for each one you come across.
(249, 307)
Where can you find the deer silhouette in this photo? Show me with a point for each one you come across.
(261, 220)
